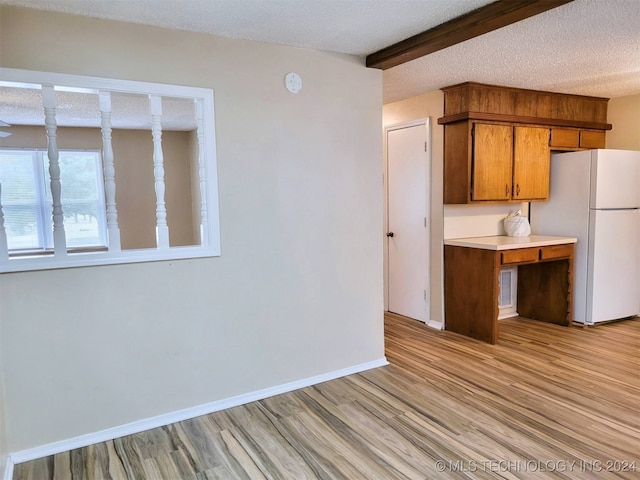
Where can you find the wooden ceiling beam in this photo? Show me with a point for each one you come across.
(465, 27)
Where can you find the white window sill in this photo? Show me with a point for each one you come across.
(96, 258)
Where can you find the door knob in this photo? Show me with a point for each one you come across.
(390, 234)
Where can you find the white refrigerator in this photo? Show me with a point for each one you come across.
(595, 197)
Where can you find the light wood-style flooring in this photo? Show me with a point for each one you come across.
(545, 402)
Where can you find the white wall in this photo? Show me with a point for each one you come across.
(478, 220)
(297, 291)
(4, 452)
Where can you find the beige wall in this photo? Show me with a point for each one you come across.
(624, 114)
(297, 291)
(135, 191)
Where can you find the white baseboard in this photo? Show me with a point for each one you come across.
(180, 415)
(434, 324)
(8, 469)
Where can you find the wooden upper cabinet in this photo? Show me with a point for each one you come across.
(477, 101)
(566, 139)
(592, 139)
(498, 140)
(562, 138)
(492, 162)
(531, 163)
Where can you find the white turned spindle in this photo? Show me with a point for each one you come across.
(162, 230)
(113, 231)
(202, 174)
(49, 104)
(4, 247)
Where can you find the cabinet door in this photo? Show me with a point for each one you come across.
(564, 138)
(592, 139)
(531, 163)
(492, 162)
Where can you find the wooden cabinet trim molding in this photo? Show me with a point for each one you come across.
(487, 86)
(546, 122)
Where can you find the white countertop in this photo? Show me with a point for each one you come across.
(503, 242)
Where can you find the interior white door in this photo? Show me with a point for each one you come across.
(407, 232)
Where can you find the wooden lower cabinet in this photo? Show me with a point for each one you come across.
(471, 287)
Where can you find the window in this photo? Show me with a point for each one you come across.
(138, 172)
(27, 200)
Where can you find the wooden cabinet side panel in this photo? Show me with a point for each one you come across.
(531, 163)
(471, 292)
(492, 162)
(457, 153)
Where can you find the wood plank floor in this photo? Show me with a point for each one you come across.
(546, 402)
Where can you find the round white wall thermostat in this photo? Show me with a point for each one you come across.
(293, 82)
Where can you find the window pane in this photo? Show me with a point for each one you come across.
(19, 200)
(21, 223)
(82, 198)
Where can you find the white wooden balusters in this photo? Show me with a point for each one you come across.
(113, 231)
(49, 104)
(4, 247)
(205, 186)
(202, 173)
(162, 230)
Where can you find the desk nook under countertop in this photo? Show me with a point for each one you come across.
(471, 281)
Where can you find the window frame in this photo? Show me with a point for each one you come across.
(210, 241)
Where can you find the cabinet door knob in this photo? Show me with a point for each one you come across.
(390, 234)
(517, 189)
(506, 190)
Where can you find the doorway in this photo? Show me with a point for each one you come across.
(408, 160)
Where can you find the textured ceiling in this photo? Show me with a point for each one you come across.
(357, 27)
(23, 106)
(587, 47)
